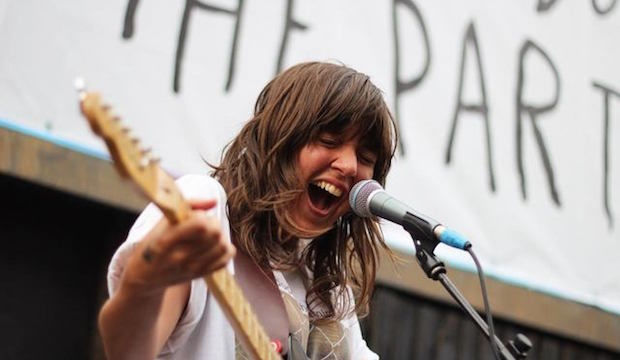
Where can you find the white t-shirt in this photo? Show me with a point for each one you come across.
(203, 331)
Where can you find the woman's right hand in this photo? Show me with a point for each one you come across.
(172, 254)
(138, 319)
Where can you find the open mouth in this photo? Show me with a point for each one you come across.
(323, 195)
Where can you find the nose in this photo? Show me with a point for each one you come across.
(345, 160)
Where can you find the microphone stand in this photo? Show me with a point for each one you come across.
(425, 246)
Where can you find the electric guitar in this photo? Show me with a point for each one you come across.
(137, 164)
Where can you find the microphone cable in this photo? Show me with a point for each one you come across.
(487, 308)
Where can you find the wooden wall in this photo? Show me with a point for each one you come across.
(405, 326)
(54, 254)
(64, 212)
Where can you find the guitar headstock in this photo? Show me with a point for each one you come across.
(131, 160)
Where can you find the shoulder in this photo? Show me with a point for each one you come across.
(200, 186)
(193, 186)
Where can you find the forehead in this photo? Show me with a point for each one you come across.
(369, 138)
(349, 128)
(366, 143)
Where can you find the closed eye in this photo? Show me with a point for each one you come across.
(329, 141)
(367, 157)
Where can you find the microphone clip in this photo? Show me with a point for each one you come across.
(421, 232)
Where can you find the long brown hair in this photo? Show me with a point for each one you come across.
(258, 172)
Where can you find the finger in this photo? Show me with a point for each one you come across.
(189, 253)
(215, 247)
(150, 247)
(202, 204)
(184, 265)
(173, 267)
(215, 260)
(197, 231)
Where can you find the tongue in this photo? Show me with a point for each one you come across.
(320, 198)
(322, 202)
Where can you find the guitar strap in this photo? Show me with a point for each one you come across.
(259, 287)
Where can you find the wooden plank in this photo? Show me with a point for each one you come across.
(566, 318)
(39, 161)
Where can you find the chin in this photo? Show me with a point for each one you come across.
(312, 230)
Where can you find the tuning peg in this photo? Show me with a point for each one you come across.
(135, 141)
(144, 162)
(125, 130)
(146, 151)
(155, 160)
(105, 108)
(80, 86)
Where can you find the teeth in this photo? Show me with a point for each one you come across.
(329, 188)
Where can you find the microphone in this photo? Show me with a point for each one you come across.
(368, 198)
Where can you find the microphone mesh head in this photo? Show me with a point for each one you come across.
(358, 196)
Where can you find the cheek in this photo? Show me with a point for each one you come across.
(365, 172)
(310, 160)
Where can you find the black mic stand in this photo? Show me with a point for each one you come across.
(435, 269)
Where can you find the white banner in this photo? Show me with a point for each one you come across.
(507, 111)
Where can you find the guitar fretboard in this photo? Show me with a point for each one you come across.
(240, 314)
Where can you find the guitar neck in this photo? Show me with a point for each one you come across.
(222, 284)
(136, 164)
(240, 315)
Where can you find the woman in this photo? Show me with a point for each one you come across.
(280, 196)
